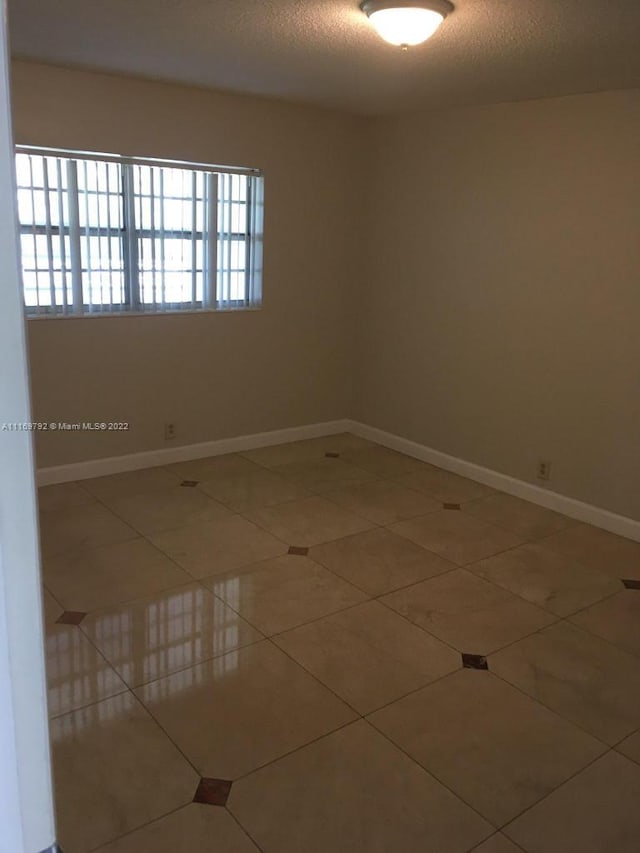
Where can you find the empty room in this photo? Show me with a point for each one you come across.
(319, 419)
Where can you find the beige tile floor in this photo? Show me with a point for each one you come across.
(353, 667)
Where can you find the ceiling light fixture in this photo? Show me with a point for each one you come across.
(406, 22)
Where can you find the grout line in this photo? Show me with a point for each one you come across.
(316, 619)
(624, 754)
(380, 595)
(622, 740)
(435, 636)
(235, 510)
(84, 488)
(498, 834)
(90, 704)
(333, 731)
(242, 828)
(433, 776)
(591, 633)
(448, 559)
(46, 588)
(277, 470)
(498, 827)
(557, 788)
(545, 608)
(267, 636)
(467, 568)
(317, 680)
(140, 599)
(166, 734)
(196, 663)
(529, 539)
(553, 711)
(248, 568)
(260, 525)
(556, 713)
(164, 554)
(594, 603)
(207, 659)
(415, 690)
(106, 844)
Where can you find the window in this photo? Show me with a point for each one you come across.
(108, 234)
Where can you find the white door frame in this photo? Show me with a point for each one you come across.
(26, 804)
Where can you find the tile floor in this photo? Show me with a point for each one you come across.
(328, 647)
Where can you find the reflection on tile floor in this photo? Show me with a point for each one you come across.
(284, 592)
(299, 627)
(172, 630)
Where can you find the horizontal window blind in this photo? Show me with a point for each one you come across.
(102, 234)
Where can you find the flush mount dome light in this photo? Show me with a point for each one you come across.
(405, 22)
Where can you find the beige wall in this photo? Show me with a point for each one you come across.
(500, 313)
(497, 281)
(215, 375)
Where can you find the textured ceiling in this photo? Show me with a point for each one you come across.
(326, 52)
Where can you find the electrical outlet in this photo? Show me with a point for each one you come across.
(544, 469)
(169, 432)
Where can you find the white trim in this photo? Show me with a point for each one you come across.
(588, 513)
(185, 453)
(620, 524)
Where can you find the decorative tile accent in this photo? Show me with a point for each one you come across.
(631, 584)
(70, 617)
(297, 551)
(189, 484)
(213, 792)
(474, 661)
(450, 506)
(332, 455)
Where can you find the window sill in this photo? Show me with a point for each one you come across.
(103, 315)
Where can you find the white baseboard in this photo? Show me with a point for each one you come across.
(588, 513)
(620, 524)
(184, 453)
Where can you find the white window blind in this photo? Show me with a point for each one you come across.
(107, 234)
